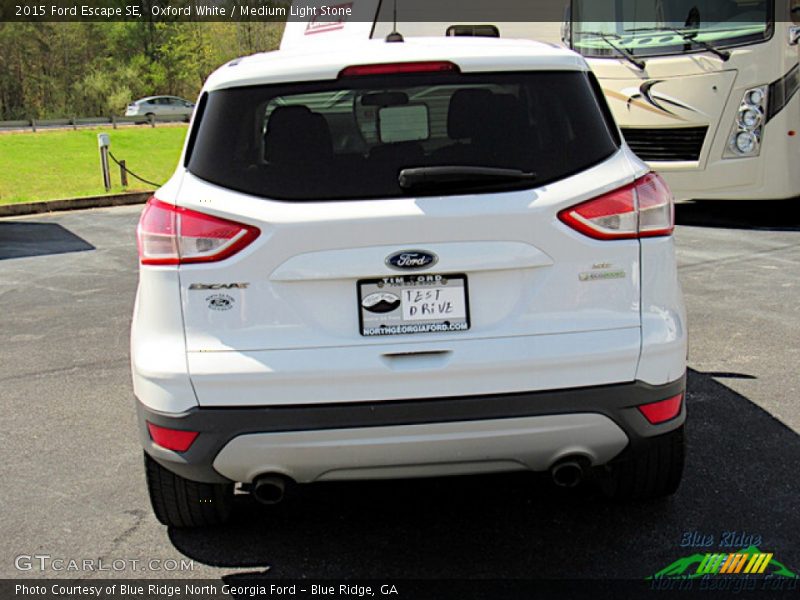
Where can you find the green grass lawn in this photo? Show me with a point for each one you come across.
(52, 165)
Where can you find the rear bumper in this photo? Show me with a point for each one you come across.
(411, 438)
(727, 179)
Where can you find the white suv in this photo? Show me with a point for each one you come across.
(160, 105)
(425, 258)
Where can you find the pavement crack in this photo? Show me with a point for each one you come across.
(139, 516)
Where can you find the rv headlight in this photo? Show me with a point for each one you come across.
(749, 117)
(755, 97)
(746, 142)
(747, 131)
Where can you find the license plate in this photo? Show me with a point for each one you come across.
(404, 304)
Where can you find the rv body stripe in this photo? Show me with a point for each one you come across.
(782, 91)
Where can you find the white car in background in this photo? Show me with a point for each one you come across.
(160, 106)
(389, 260)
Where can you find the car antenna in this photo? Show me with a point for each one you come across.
(394, 35)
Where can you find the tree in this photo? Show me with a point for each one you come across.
(51, 70)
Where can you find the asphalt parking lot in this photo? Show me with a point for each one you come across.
(73, 480)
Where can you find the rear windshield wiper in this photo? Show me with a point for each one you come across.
(723, 54)
(449, 177)
(640, 64)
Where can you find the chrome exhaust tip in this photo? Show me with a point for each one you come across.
(568, 472)
(269, 489)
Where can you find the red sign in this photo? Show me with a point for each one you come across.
(334, 18)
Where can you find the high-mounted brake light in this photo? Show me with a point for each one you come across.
(178, 440)
(437, 66)
(643, 208)
(171, 235)
(663, 410)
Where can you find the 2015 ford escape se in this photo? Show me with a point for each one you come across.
(406, 259)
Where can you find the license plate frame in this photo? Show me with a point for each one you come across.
(402, 319)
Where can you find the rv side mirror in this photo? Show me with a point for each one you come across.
(472, 31)
(566, 26)
(794, 35)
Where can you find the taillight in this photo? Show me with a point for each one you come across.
(434, 66)
(178, 440)
(643, 208)
(663, 410)
(171, 235)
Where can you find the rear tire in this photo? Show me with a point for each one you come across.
(179, 502)
(654, 470)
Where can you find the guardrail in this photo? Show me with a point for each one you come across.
(76, 122)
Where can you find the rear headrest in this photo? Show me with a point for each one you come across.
(294, 133)
(464, 115)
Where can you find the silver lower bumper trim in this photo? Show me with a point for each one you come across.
(453, 448)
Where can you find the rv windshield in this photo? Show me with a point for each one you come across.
(657, 27)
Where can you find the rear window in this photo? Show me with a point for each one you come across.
(350, 139)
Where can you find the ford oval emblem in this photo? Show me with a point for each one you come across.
(411, 259)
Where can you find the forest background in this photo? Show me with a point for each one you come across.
(64, 70)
